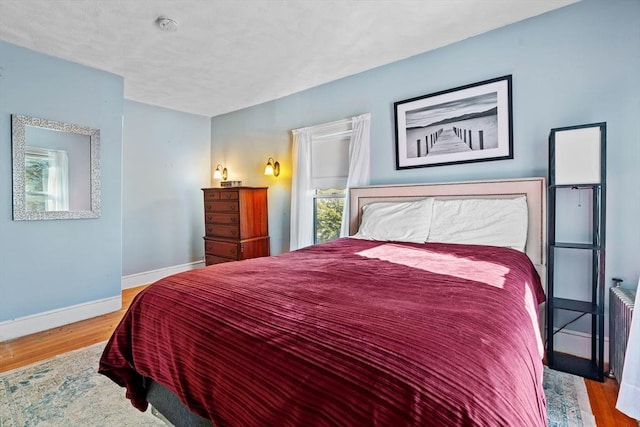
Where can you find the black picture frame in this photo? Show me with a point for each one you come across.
(466, 124)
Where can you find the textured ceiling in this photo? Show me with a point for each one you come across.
(231, 54)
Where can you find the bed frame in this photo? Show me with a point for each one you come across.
(164, 402)
(533, 188)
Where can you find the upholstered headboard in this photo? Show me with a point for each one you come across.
(533, 188)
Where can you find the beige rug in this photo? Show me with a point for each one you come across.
(67, 391)
(567, 400)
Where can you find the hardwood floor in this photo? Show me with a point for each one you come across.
(43, 345)
(602, 397)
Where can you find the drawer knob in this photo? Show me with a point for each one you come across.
(233, 219)
(228, 195)
(233, 208)
(233, 232)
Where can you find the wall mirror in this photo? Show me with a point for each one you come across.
(56, 169)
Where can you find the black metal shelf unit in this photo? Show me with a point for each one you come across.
(594, 181)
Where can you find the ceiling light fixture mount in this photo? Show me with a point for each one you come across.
(167, 24)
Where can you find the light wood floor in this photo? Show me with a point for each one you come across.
(43, 345)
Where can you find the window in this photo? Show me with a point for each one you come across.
(327, 159)
(327, 213)
(329, 171)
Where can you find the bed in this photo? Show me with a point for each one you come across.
(352, 332)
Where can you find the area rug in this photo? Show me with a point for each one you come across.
(567, 400)
(66, 390)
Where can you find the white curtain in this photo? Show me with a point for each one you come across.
(301, 191)
(629, 394)
(58, 181)
(359, 162)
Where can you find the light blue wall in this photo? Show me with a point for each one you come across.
(243, 141)
(571, 66)
(45, 265)
(165, 165)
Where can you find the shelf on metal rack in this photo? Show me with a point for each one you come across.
(577, 366)
(569, 245)
(575, 305)
(575, 185)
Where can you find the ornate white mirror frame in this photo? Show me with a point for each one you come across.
(20, 147)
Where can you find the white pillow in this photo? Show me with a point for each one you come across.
(396, 221)
(494, 222)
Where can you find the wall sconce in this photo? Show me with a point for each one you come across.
(272, 168)
(220, 173)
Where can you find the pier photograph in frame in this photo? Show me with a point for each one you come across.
(470, 123)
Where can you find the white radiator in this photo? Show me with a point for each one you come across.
(621, 303)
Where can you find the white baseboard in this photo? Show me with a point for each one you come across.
(147, 277)
(578, 343)
(21, 326)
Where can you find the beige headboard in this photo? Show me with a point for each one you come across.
(533, 188)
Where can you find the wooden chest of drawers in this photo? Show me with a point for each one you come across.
(236, 224)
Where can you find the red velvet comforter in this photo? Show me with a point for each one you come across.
(349, 333)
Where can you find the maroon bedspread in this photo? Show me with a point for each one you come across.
(350, 333)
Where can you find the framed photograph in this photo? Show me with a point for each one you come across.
(466, 124)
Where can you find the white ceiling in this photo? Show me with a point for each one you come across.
(231, 54)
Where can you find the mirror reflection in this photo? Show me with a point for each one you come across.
(56, 170)
(46, 179)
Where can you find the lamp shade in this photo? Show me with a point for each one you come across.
(268, 170)
(217, 174)
(272, 168)
(220, 173)
(578, 154)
